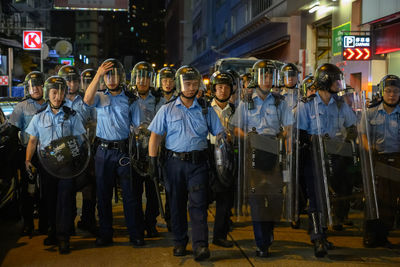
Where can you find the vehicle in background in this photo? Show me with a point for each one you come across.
(240, 65)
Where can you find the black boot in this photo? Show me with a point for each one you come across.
(371, 238)
(319, 244)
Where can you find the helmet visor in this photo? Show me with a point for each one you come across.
(266, 78)
(290, 78)
(112, 78)
(189, 86)
(35, 88)
(143, 78)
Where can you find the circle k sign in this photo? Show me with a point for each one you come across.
(32, 40)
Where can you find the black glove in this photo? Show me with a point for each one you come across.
(153, 168)
(351, 133)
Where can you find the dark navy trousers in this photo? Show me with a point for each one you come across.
(188, 182)
(59, 195)
(107, 169)
(263, 234)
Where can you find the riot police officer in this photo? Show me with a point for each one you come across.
(266, 114)
(117, 111)
(222, 88)
(142, 78)
(186, 125)
(308, 87)
(86, 78)
(290, 76)
(20, 118)
(325, 115)
(166, 84)
(381, 137)
(85, 183)
(52, 123)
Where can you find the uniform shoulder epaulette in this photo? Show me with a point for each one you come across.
(204, 105)
(373, 104)
(132, 97)
(278, 98)
(68, 112)
(308, 98)
(232, 106)
(171, 100)
(42, 109)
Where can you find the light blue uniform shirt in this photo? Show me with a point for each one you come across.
(384, 129)
(332, 119)
(47, 126)
(266, 117)
(22, 116)
(115, 115)
(147, 108)
(162, 101)
(186, 128)
(85, 112)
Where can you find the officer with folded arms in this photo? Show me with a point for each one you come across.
(186, 123)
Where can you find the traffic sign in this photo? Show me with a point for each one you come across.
(32, 40)
(357, 54)
(356, 47)
(3, 80)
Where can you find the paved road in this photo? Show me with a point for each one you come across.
(290, 248)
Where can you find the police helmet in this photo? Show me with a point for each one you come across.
(326, 75)
(186, 73)
(87, 77)
(117, 71)
(69, 73)
(34, 78)
(221, 77)
(141, 71)
(389, 80)
(289, 70)
(308, 83)
(166, 72)
(54, 82)
(235, 79)
(260, 69)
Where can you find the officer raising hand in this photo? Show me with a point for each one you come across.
(117, 111)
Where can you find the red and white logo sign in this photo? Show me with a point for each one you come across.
(32, 40)
(3, 80)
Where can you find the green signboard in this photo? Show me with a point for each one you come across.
(66, 60)
(337, 33)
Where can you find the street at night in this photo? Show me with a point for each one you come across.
(199, 132)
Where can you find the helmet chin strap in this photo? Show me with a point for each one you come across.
(391, 105)
(223, 100)
(54, 107)
(168, 93)
(192, 97)
(36, 98)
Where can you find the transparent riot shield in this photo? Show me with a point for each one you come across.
(335, 160)
(66, 157)
(138, 149)
(367, 160)
(290, 162)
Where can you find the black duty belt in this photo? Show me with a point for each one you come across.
(192, 156)
(119, 144)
